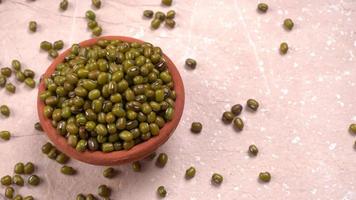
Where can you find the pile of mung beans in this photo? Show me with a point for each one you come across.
(21, 171)
(110, 96)
(159, 17)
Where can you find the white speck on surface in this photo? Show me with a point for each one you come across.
(313, 191)
(296, 140)
(332, 146)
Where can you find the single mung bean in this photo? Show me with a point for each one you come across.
(82, 145)
(217, 179)
(4, 110)
(6, 180)
(5, 135)
(252, 104)
(167, 2)
(53, 53)
(236, 109)
(18, 180)
(58, 45)
(19, 168)
(262, 7)
(191, 63)
(67, 170)
(288, 24)
(9, 192)
(18, 197)
(96, 3)
(52, 153)
(16, 65)
(160, 16)
(283, 48)
(46, 148)
(20, 76)
(38, 126)
(190, 173)
(136, 166)
(104, 191)
(63, 5)
(171, 14)
(352, 128)
(109, 172)
(90, 197)
(161, 191)
(90, 15)
(92, 24)
(6, 71)
(30, 82)
(97, 31)
(196, 127)
(264, 176)
(227, 117)
(253, 150)
(80, 197)
(46, 46)
(28, 198)
(148, 13)
(155, 23)
(170, 23)
(2, 81)
(62, 158)
(32, 26)
(151, 156)
(33, 180)
(162, 160)
(29, 73)
(107, 147)
(238, 123)
(29, 168)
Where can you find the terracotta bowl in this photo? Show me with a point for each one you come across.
(139, 151)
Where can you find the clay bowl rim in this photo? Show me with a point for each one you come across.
(139, 151)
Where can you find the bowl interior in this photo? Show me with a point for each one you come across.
(117, 157)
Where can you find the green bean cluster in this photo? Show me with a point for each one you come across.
(92, 23)
(21, 170)
(85, 197)
(159, 17)
(110, 96)
(52, 49)
(25, 76)
(54, 154)
(232, 115)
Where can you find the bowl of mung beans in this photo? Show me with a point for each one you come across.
(110, 100)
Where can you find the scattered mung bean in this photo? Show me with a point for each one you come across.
(262, 7)
(67, 170)
(252, 104)
(5, 110)
(32, 26)
(283, 48)
(162, 160)
(161, 191)
(217, 179)
(253, 150)
(190, 173)
(265, 176)
(5, 135)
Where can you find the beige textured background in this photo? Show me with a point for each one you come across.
(307, 97)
